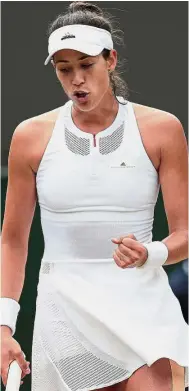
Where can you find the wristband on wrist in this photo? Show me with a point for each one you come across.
(157, 255)
(9, 309)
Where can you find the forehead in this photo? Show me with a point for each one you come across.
(69, 55)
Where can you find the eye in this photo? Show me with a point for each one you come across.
(64, 70)
(86, 65)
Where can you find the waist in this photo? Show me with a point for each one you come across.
(88, 241)
(99, 214)
(101, 272)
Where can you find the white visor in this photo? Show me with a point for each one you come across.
(86, 39)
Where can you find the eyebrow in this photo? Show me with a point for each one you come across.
(81, 58)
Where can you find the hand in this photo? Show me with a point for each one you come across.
(130, 253)
(10, 351)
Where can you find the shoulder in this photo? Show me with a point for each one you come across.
(31, 137)
(164, 125)
(155, 116)
(32, 133)
(30, 127)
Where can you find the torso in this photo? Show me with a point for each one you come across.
(147, 118)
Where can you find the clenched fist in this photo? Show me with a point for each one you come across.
(130, 253)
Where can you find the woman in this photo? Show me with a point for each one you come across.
(106, 317)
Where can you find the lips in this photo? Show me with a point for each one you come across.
(81, 94)
(81, 97)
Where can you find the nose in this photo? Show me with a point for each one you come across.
(78, 78)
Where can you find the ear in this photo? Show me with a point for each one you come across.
(112, 60)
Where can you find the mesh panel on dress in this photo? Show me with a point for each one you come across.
(77, 145)
(107, 144)
(110, 143)
(60, 359)
(45, 376)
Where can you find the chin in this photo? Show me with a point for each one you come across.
(86, 106)
(91, 104)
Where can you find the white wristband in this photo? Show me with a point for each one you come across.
(157, 255)
(9, 309)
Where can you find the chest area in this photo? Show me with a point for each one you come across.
(148, 134)
(94, 181)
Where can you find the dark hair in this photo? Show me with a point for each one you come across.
(90, 14)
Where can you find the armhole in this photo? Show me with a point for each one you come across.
(139, 138)
(56, 129)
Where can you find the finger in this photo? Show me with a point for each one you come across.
(27, 371)
(121, 256)
(121, 238)
(116, 240)
(130, 236)
(5, 368)
(132, 244)
(19, 356)
(120, 263)
(129, 266)
(126, 260)
(4, 375)
(117, 260)
(131, 254)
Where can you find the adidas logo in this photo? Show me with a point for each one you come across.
(68, 35)
(123, 165)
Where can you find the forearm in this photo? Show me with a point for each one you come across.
(13, 261)
(177, 244)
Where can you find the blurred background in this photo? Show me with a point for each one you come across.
(156, 71)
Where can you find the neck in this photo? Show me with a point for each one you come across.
(99, 118)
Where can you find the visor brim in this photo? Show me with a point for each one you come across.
(83, 47)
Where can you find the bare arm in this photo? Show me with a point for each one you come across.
(19, 211)
(174, 183)
(173, 176)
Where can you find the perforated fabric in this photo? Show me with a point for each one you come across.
(77, 145)
(110, 143)
(81, 145)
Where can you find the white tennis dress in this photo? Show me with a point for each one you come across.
(96, 323)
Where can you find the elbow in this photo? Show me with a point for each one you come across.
(14, 242)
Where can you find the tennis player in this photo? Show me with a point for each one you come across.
(106, 317)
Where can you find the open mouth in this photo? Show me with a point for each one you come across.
(81, 94)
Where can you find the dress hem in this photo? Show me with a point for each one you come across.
(92, 388)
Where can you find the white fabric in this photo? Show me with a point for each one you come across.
(9, 309)
(86, 39)
(157, 254)
(97, 323)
